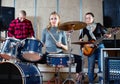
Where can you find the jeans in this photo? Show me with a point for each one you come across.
(91, 62)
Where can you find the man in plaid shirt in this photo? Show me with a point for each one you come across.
(21, 28)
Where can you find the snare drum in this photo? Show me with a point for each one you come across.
(19, 73)
(32, 49)
(59, 60)
(9, 49)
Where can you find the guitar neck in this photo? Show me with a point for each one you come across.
(99, 40)
(114, 31)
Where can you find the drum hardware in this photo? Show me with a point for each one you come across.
(33, 75)
(69, 79)
(26, 76)
(14, 59)
(37, 75)
(70, 27)
(9, 49)
(80, 78)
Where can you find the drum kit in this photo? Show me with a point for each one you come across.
(13, 70)
(31, 49)
(27, 73)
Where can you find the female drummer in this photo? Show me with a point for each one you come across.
(52, 38)
(55, 40)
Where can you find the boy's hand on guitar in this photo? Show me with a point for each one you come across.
(107, 35)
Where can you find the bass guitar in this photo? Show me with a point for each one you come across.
(88, 49)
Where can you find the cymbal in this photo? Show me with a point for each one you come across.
(81, 43)
(72, 25)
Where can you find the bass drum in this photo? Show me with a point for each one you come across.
(19, 73)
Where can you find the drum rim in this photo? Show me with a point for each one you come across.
(58, 55)
(8, 55)
(20, 69)
(11, 38)
(30, 52)
(22, 73)
(24, 56)
(33, 39)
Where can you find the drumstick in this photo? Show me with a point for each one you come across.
(52, 36)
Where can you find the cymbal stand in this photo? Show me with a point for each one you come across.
(82, 74)
(69, 79)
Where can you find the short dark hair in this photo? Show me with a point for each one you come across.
(90, 13)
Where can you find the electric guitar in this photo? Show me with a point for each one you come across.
(88, 49)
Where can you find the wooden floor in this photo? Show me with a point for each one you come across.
(48, 74)
(65, 81)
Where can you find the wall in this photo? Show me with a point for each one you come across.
(38, 12)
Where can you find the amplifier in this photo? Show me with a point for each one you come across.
(112, 70)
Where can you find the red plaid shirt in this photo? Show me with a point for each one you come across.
(20, 30)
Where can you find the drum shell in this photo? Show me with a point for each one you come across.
(61, 60)
(32, 46)
(19, 73)
(32, 49)
(9, 49)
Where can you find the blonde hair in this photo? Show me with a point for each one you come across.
(53, 13)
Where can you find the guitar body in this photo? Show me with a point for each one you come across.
(88, 49)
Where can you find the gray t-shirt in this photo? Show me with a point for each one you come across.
(50, 44)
